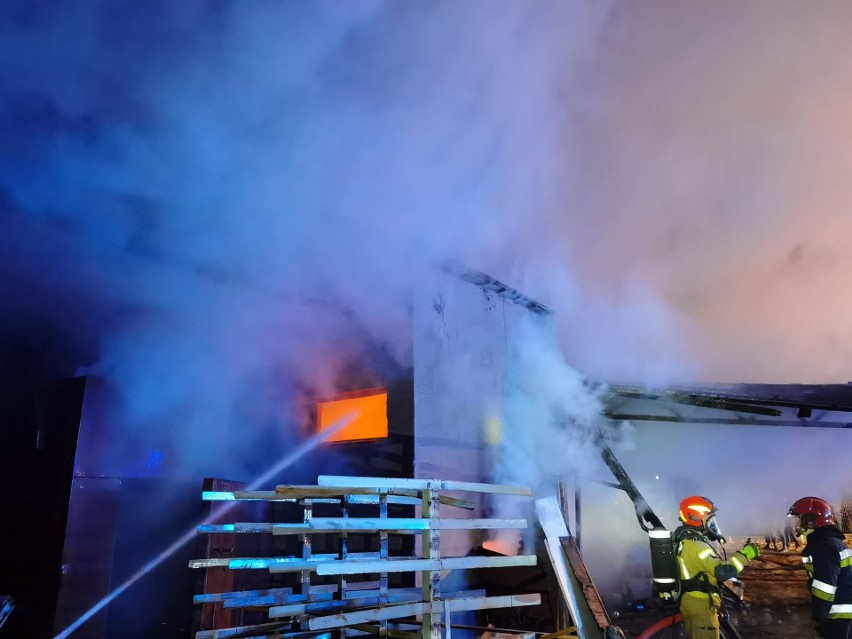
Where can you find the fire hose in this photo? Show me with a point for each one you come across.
(726, 629)
(7, 604)
(660, 625)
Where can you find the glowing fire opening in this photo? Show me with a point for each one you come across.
(371, 407)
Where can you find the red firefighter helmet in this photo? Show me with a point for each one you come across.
(812, 512)
(698, 512)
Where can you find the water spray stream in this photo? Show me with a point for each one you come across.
(290, 459)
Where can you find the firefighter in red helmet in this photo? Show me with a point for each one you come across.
(828, 561)
(702, 571)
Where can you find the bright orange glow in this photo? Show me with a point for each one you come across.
(371, 423)
(500, 545)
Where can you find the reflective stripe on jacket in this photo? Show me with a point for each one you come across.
(828, 561)
(696, 557)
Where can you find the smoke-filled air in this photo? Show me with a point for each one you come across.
(188, 189)
(215, 211)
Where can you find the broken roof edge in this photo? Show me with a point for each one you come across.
(493, 285)
(832, 397)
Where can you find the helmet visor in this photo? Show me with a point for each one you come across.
(795, 522)
(713, 527)
(804, 524)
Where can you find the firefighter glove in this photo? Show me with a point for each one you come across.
(751, 551)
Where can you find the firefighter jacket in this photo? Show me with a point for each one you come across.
(828, 561)
(701, 570)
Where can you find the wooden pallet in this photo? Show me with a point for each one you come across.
(354, 606)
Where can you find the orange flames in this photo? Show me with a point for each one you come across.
(371, 406)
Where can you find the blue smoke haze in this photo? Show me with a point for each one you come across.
(214, 205)
(190, 192)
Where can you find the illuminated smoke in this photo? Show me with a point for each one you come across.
(226, 198)
(291, 458)
(191, 192)
(178, 181)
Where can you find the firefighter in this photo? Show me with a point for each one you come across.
(828, 561)
(702, 571)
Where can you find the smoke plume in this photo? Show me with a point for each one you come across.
(191, 193)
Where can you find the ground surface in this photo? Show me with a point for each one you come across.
(775, 594)
(755, 622)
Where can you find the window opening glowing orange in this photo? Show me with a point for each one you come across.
(371, 422)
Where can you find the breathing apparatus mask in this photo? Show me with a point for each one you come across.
(711, 528)
(803, 525)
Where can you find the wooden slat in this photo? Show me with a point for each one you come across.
(221, 633)
(573, 592)
(406, 565)
(406, 610)
(422, 484)
(393, 633)
(364, 496)
(296, 634)
(315, 526)
(214, 597)
(334, 524)
(257, 563)
(362, 563)
(262, 563)
(371, 497)
(325, 607)
(370, 494)
(590, 591)
(457, 503)
(398, 525)
(356, 593)
(301, 492)
(357, 558)
(430, 580)
(276, 600)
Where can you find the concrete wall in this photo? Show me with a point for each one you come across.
(463, 337)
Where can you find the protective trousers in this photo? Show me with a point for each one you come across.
(839, 629)
(699, 616)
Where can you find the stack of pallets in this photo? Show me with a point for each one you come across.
(357, 603)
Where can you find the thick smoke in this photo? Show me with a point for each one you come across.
(565, 409)
(216, 201)
(190, 194)
(712, 155)
(211, 204)
(551, 425)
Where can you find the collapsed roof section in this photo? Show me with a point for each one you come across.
(802, 405)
